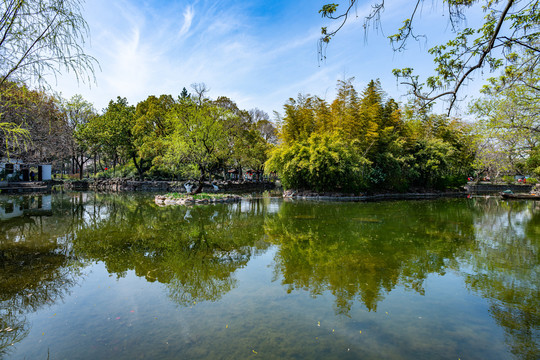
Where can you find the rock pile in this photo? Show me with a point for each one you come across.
(163, 200)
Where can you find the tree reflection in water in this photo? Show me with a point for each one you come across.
(358, 252)
(363, 251)
(193, 250)
(505, 269)
(36, 267)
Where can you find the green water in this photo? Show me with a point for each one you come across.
(94, 276)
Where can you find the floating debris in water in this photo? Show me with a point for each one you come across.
(254, 352)
(318, 323)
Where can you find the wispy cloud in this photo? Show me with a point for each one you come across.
(257, 53)
(189, 13)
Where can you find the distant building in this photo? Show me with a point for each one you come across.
(16, 170)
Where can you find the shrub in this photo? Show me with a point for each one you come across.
(322, 163)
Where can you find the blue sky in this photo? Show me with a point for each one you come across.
(258, 53)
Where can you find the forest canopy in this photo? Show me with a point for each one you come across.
(365, 141)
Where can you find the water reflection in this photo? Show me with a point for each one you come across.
(17, 206)
(193, 250)
(360, 252)
(36, 267)
(363, 251)
(353, 253)
(505, 269)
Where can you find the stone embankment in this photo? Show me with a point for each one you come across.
(163, 200)
(120, 185)
(310, 195)
(488, 188)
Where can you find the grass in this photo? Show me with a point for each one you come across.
(196, 196)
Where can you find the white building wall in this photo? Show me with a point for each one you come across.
(46, 172)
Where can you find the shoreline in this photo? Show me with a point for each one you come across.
(392, 196)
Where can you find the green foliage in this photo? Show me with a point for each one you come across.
(188, 137)
(508, 27)
(508, 124)
(200, 135)
(364, 142)
(127, 170)
(533, 162)
(322, 163)
(150, 130)
(199, 196)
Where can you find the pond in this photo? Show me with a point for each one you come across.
(100, 276)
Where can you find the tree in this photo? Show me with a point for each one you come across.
(321, 163)
(41, 122)
(508, 123)
(79, 113)
(200, 135)
(42, 37)
(150, 130)
(264, 126)
(250, 134)
(509, 26)
(366, 142)
(113, 132)
(39, 38)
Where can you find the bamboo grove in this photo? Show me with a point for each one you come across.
(363, 142)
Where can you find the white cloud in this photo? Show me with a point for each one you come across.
(189, 13)
(255, 58)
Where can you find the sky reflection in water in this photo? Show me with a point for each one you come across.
(114, 276)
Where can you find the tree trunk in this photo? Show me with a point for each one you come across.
(138, 166)
(100, 164)
(201, 183)
(81, 167)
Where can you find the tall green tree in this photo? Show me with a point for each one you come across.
(366, 142)
(79, 113)
(199, 137)
(114, 132)
(151, 127)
